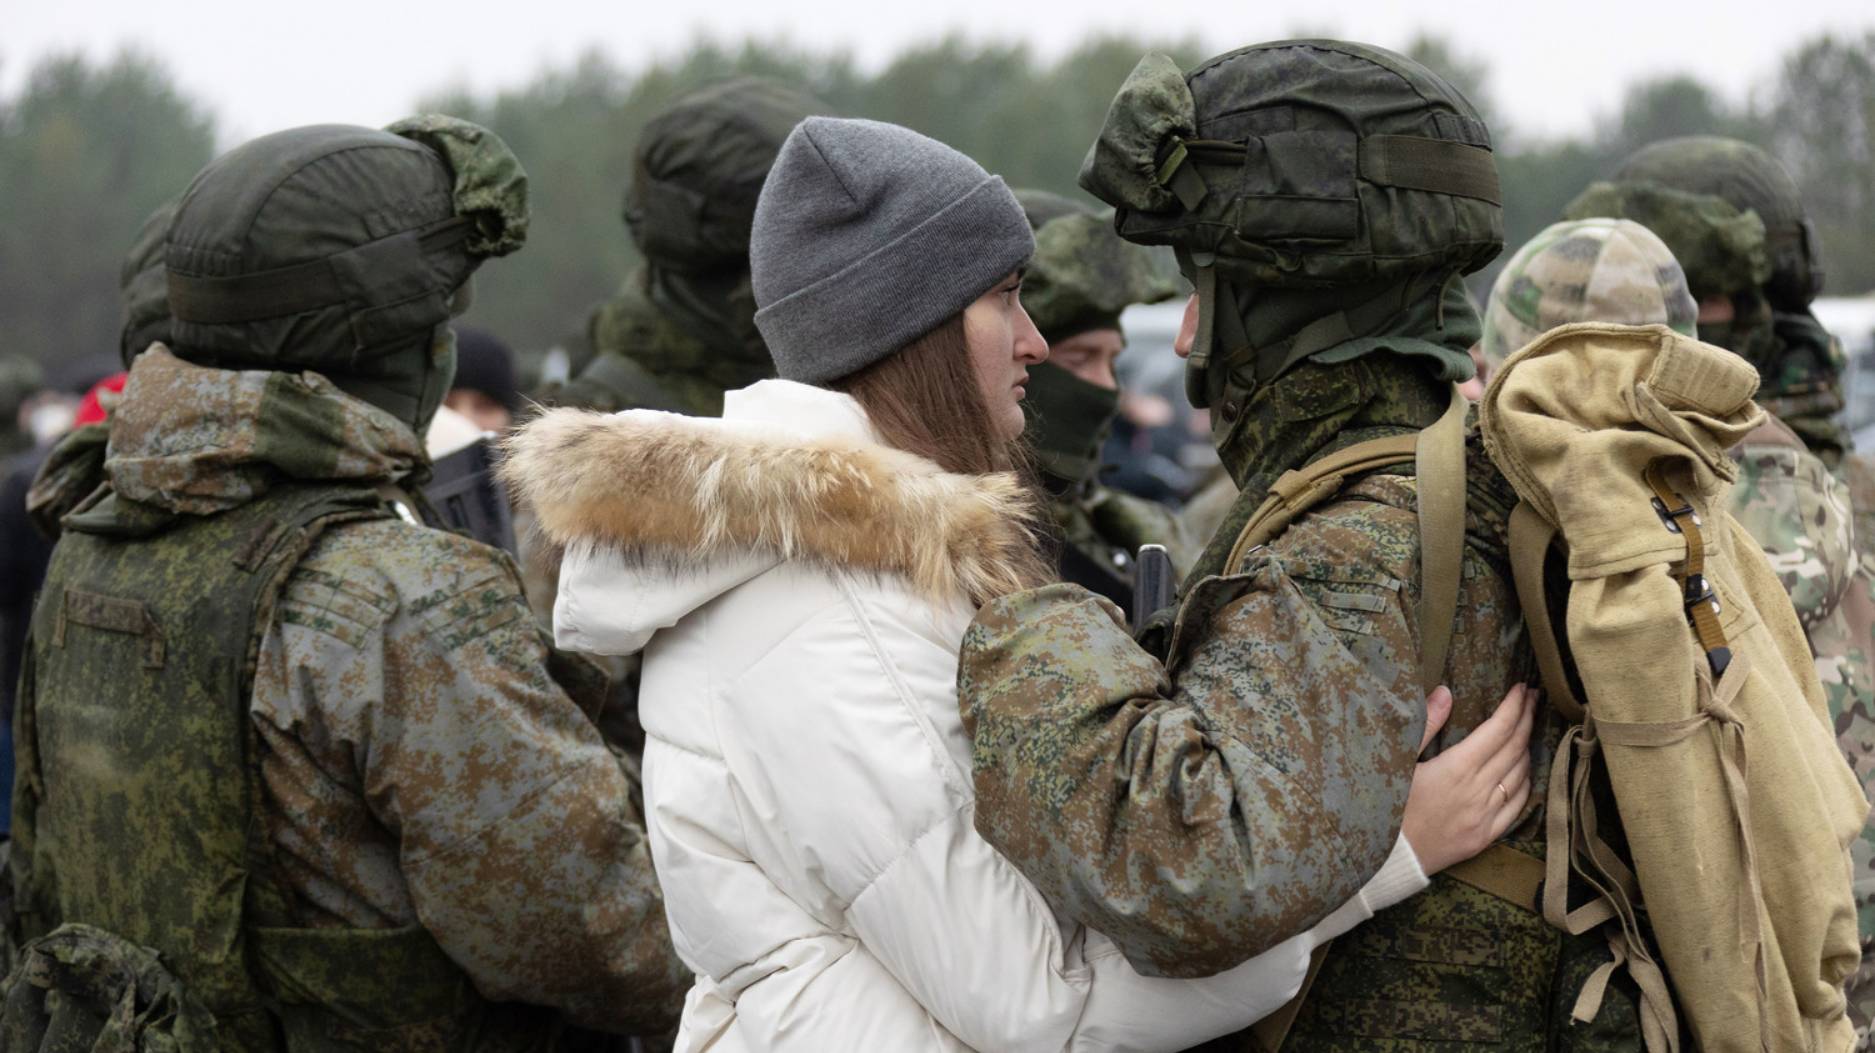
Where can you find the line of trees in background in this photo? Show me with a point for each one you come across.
(88, 149)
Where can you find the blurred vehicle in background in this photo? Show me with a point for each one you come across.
(1160, 447)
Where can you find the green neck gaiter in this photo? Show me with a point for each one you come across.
(1804, 386)
(409, 382)
(1264, 429)
(1069, 419)
(1372, 387)
(718, 311)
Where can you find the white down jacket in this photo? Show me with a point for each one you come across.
(798, 591)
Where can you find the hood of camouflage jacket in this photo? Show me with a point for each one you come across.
(669, 511)
(195, 440)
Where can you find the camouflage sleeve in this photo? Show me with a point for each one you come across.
(1800, 516)
(1201, 816)
(490, 809)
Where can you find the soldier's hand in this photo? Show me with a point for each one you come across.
(1469, 795)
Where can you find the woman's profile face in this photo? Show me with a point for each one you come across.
(1004, 343)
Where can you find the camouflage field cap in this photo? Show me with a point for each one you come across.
(145, 286)
(1301, 163)
(699, 167)
(1592, 270)
(1082, 274)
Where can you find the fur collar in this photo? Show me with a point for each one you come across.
(661, 485)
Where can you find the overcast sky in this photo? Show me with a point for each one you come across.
(1557, 67)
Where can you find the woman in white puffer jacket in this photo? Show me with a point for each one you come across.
(799, 575)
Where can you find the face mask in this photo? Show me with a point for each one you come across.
(410, 382)
(1068, 421)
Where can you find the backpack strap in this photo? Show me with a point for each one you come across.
(1439, 461)
(1530, 539)
(1438, 454)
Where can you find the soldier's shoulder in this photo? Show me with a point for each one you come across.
(383, 575)
(1373, 509)
(630, 323)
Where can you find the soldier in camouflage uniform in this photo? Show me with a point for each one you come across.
(1733, 217)
(315, 756)
(1079, 280)
(681, 330)
(1202, 794)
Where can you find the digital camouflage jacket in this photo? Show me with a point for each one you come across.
(1200, 807)
(420, 759)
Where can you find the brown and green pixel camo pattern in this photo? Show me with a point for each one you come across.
(1202, 810)
(74, 469)
(490, 185)
(198, 441)
(1082, 275)
(420, 764)
(83, 990)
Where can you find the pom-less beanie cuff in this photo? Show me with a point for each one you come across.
(899, 291)
(868, 236)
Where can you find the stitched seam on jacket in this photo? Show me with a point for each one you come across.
(940, 755)
(1082, 979)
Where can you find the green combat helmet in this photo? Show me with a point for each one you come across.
(682, 329)
(145, 285)
(1295, 168)
(264, 274)
(1735, 220)
(1323, 197)
(1590, 270)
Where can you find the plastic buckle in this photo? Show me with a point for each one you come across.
(1698, 591)
(1669, 516)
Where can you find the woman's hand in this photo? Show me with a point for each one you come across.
(1468, 796)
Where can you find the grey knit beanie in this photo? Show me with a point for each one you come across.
(868, 236)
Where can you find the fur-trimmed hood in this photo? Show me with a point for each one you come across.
(791, 472)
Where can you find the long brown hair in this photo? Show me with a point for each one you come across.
(925, 399)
